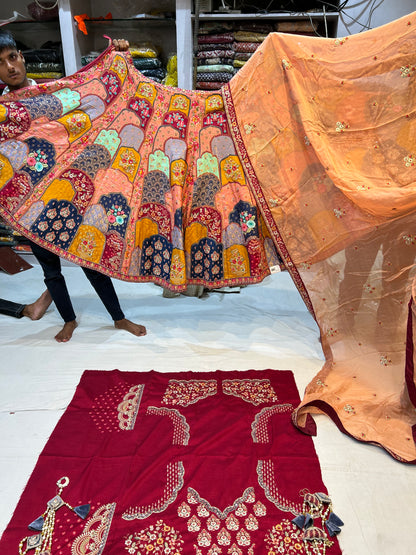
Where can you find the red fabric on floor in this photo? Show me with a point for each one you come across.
(176, 463)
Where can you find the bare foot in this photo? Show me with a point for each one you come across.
(66, 332)
(135, 329)
(36, 310)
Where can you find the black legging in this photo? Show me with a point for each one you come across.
(55, 282)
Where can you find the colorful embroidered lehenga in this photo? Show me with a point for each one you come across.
(306, 158)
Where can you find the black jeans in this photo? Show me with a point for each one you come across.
(9, 308)
(55, 282)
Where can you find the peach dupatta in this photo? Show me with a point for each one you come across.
(326, 129)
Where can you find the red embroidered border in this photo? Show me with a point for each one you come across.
(261, 201)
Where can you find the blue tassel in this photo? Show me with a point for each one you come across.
(299, 521)
(334, 519)
(303, 521)
(333, 529)
(308, 521)
(37, 524)
(82, 511)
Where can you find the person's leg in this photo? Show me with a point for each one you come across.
(55, 282)
(9, 308)
(105, 290)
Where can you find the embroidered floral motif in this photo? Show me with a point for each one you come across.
(232, 169)
(204, 539)
(142, 108)
(385, 360)
(184, 510)
(194, 524)
(249, 128)
(177, 120)
(188, 392)
(37, 160)
(147, 90)
(214, 103)
(340, 41)
(247, 221)
(350, 409)
(180, 102)
(158, 539)
(331, 332)
(340, 126)
(86, 246)
(409, 239)
(112, 85)
(409, 160)
(407, 71)
(119, 66)
(275, 201)
(228, 528)
(128, 162)
(285, 538)
(213, 523)
(339, 212)
(116, 215)
(243, 537)
(256, 392)
(369, 288)
(286, 64)
(232, 523)
(218, 119)
(224, 537)
(76, 123)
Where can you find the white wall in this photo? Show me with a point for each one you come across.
(386, 11)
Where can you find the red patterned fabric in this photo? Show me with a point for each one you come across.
(179, 463)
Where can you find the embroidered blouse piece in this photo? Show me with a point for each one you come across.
(177, 464)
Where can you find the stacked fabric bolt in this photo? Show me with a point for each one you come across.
(214, 59)
(90, 57)
(147, 60)
(44, 63)
(246, 41)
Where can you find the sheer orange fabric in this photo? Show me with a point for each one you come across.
(326, 129)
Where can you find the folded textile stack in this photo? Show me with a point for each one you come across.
(146, 59)
(224, 48)
(246, 41)
(214, 59)
(9, 237)
(44, 63)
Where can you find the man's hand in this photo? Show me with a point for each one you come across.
(121, 45)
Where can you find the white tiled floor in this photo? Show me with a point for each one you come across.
(262, 326)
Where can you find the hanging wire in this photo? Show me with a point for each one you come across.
(47, 7)
(15, 16)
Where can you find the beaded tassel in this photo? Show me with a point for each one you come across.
(317, 506)
(42, 542)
